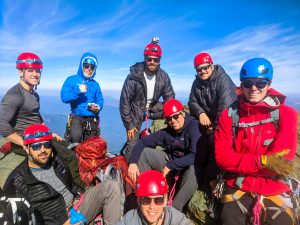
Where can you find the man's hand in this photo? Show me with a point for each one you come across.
(133, 172)
(56, 136)
(94, 108)
(131, 133)
(165, 171)
(204, 120)
(83, 88)
(277, 163)
(69, 220)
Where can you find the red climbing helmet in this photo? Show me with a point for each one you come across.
(36, 133)
(172, 106)
(202, 58)
(151, 182)
(153, 48)
(29, 60)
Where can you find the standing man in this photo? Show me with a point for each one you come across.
(256, 142)
(181, 140)
(44, 180)
(152, 195)
(86, 100)
(19, 108)
(141, 92)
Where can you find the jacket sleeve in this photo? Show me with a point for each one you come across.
(227, 157)
(126, 98)
(99, 97)
(9, 107)
(152, 140)
(195, 108)
(286, 136)
(194, 136)
(226, 91)
(168, 92)
(70, 90)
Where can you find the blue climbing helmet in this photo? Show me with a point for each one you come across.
(257, 68)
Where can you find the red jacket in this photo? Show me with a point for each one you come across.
(240, 154)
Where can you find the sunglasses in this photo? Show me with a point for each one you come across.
(199, 69)
(175, 117)
(257, 83)
(38, 146)
(86, 66)
(156, 60)
(157, 200)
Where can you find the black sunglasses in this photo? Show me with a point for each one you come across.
(157, 200)
(156, 60)
(38, 146)
(258, 83)
(175, 117)
(199, 69)
(86, 66)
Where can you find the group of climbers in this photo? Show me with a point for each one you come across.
(248, 133)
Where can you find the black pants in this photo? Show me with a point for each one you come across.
(83, 128)
(231, 213)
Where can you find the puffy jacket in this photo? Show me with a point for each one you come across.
(182, 146)
(134, 94)
(171, 217)
(49, 206)
(212, 96)
(70, 92)
(239, 155)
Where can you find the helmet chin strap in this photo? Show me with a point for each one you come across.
(23, 79)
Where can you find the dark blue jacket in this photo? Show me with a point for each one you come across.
(181, 147)
(70, 92)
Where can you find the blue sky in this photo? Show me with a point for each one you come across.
(117, 32)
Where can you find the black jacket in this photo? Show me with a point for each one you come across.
(134, 93)
(212, 96)
(49, 206)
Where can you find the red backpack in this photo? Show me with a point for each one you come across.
(93, 161)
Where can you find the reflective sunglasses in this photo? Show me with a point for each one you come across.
(257, 83)
(175, 117)
(38, 146)
(86, 66)
(157, 200)
(199, 69)
(156, 60)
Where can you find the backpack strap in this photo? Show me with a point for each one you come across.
(234, 114)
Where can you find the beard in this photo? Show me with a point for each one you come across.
(41, 160)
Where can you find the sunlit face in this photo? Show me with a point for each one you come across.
(176, 121)
(153, 212)
(39, 157)
(152, 63)
(32, 76)
(254, 94)
(204, 70)
(88, 69)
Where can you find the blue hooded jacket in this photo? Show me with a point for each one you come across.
(70, 92)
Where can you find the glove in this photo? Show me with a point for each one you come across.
(76, 217)
(276, 163)
(83, 88)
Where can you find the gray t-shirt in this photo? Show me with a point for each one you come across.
(19, 109)
(48, 176)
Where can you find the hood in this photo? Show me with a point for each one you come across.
(137, 71)
(80, 71)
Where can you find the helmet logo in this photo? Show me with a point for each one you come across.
(163, 183)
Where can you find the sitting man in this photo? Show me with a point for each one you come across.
(45, 181)
(151, 192)
(181, 139)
